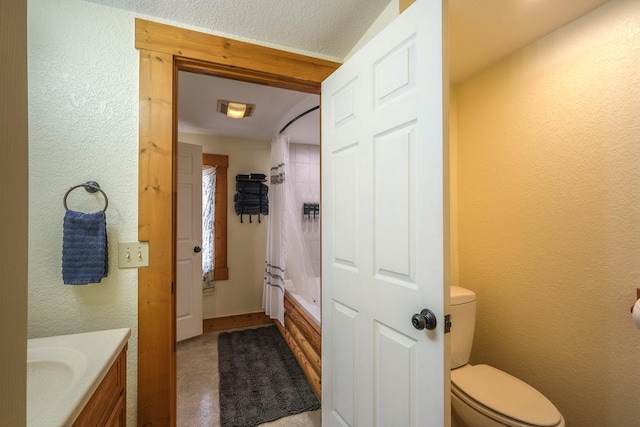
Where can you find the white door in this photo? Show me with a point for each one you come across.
(382, 237)
(189, 241)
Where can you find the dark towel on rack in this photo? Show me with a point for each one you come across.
(251, 209)
(251, 187)
(85, 257)
(250, 198)
(258, 176)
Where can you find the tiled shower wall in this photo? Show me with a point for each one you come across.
(305, 169)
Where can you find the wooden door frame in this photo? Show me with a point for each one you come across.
(165, 50)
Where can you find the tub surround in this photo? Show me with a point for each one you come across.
(64, 372)
(305, 171)
(302, 334)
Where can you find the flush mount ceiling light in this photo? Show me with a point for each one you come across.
(235, 110)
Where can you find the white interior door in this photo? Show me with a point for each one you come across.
(189, 241)
(382, 236)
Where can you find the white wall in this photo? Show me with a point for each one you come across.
(83, 119)
(549, 214)
(13, 212)
(246, 242)
(304, 161)
(83, 125)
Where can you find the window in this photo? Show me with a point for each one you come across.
(221, 163)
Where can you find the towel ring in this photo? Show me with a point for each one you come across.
(91, 187)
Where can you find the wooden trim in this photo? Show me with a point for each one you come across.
(221, 162)
(404, 4)
(207, 48)
(233, 73)
(162, 50)
(237, 321)
(156, 225)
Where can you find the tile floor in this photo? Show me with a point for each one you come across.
(198, 395)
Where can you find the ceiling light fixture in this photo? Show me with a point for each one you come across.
(235, 110)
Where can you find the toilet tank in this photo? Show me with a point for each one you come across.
(463, 323)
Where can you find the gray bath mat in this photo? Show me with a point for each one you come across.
(260, 380)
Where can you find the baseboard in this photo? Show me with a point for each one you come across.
(237, 321)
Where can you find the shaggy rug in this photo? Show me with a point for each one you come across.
(260, 380)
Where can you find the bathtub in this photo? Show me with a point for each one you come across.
(312, 308)
(301, 331)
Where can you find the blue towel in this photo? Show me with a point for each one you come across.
(85, 257)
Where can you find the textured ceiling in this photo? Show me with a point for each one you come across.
(481, 32)
(326, 27)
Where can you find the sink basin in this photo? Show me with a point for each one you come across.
(64, 371)
(51, 373)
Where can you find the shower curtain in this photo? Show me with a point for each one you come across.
(276, 259)
(286, 255)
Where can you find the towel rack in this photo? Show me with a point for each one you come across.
(90, 187)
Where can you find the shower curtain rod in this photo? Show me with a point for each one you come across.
(298, 116)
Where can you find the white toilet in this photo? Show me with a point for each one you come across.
(483, 396)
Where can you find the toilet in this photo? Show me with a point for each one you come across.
(483, 396)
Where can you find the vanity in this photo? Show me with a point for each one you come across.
(78, 380)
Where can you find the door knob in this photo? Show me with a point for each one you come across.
(425, 319)
(197, 249)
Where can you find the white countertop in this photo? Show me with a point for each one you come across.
(64, 371)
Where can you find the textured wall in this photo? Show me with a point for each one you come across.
(247, 242)
(305, 169)
(13, 211)
(549, 214)
(83, 104)
(83, 121)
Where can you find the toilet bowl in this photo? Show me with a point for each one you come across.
(481, 395)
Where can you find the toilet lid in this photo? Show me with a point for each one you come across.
(505, 394)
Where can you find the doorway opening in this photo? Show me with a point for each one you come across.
(246, 142)
(164, 51)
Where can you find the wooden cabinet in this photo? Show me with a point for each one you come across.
(108, 405)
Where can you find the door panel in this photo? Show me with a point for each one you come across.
(343, 336)
(189, 235)
(382, 241)
(395, 389)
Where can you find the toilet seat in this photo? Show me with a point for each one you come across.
(503, 397)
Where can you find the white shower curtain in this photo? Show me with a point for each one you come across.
(276, 255)
(287, 255)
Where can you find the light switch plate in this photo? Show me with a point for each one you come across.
(133, 254)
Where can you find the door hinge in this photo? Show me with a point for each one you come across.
(447, 323)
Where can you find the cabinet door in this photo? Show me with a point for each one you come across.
(107, 406)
